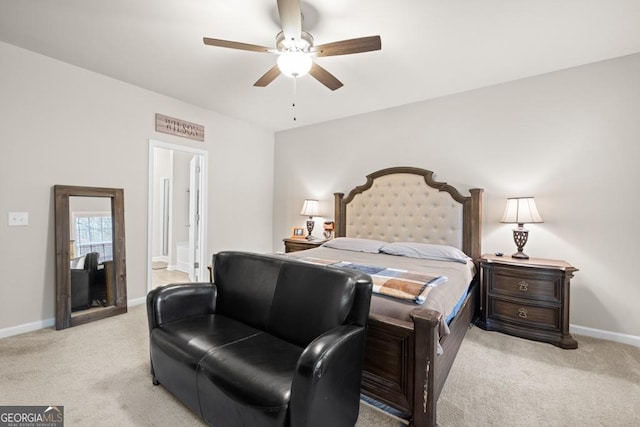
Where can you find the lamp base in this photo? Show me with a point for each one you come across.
(520, 255)
(310, 224)
(520, 237)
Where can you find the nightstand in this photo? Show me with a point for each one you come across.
(526, 298)
(295, 245)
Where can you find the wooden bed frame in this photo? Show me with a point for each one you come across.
(402, 367)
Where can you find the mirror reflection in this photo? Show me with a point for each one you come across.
(91, 253)
(91, 279)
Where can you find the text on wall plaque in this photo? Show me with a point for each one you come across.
(179, 127)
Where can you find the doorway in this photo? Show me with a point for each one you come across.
(177, 214)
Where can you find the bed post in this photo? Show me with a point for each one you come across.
(425, 395)
(473, 217)
(339, 212)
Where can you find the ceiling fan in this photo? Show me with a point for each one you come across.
(295, 49)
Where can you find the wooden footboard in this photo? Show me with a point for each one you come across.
(402, 368)
(388, 360)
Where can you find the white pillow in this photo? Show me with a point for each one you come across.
(426, 251)
(356, 245)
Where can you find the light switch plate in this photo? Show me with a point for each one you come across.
(18, 218)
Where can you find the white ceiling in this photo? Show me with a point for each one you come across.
(430, 48)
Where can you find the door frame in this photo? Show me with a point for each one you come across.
(153, 144)
(195, 216)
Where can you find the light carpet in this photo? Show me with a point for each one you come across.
(100, 373)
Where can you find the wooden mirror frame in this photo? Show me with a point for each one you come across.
(63, 270)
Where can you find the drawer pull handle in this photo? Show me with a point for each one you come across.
(524, 286)
(522, 313)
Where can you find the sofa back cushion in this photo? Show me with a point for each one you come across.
(290, 299)
(310, 300)
(246, 284)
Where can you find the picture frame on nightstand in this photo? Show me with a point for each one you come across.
(297, 232)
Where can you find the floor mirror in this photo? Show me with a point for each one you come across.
(91, 281)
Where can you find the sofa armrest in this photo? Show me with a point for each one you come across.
(180, 301)
(332, 362)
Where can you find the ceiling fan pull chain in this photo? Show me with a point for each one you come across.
(293, 105)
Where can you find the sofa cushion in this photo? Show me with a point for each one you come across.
(246, 283)
(257, 370)
(310, 300)
(197, 335)
(177, 348)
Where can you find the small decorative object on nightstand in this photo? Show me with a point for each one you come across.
(297, 233)
(527, 298)
(295, 245)
(328, 227)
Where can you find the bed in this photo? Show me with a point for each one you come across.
(410, 349)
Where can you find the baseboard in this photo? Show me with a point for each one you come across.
(605, 335)
(136, 301)
(26, 327)
(48, 323)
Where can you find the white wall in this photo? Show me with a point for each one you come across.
(569, 138)
(65, 125)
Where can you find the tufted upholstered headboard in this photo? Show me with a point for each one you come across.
(406, 204)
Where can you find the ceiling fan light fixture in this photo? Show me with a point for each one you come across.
(296, 49)
(294, 63)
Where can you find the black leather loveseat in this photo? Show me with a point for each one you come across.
(273, 342)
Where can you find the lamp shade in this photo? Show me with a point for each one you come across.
(521, 210)
(310, 208)
(294, 63)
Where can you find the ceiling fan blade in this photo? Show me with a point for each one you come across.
(346, 47)
(290, 18)
(235, 45)
(325, 77)
(268, 77)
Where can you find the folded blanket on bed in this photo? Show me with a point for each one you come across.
(392, 282)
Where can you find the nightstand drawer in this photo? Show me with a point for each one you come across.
(522, 284)
(528, 315)
(295, 245)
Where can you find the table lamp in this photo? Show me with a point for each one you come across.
(521, 210)
(310, 209)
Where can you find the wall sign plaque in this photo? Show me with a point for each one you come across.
(173, 126)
